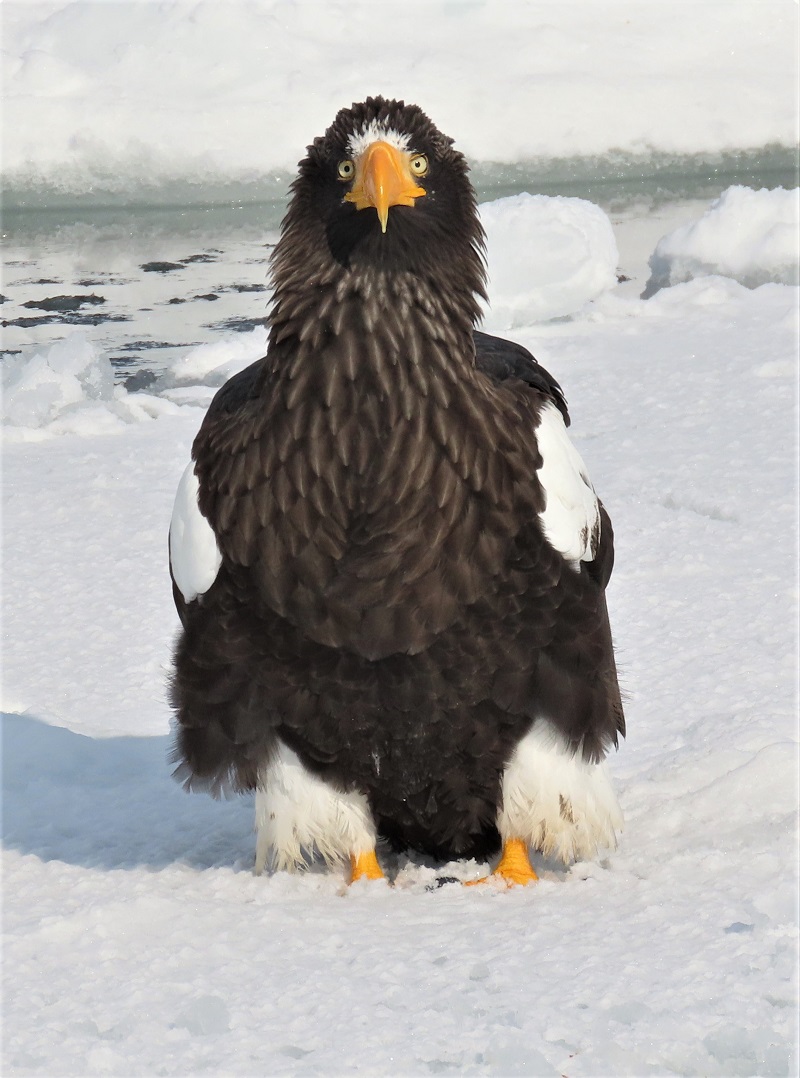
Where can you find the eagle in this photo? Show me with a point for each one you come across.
(387, 558)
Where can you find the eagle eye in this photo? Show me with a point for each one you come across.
(347, 170)
(419, 164)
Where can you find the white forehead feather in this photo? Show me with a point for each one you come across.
(375, 131)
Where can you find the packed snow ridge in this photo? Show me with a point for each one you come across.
(127, 96)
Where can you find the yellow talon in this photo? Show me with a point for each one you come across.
(514, 867)
(364, 866)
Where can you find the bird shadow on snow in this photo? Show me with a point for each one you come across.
(111, 803)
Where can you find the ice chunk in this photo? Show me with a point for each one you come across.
(37, 387)
(212, 364)
(205, 1016)
(68, 388)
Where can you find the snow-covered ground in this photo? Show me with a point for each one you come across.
(137, 941)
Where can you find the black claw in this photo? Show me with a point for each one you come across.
(440, 881)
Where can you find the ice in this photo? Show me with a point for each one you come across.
(743, 1052)
(752, 236)
(547, 257)
(68, 388)
(205, 1016)
(38, 388)
(213, 364)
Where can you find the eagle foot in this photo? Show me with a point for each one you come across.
(514, 868)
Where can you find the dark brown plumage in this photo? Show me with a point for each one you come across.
(387, 604)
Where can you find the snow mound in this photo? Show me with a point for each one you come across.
(548, 257)
(749, 235)
(68, 388)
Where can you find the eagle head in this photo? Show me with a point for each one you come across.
(384, 188)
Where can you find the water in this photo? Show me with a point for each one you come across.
(151, 273)
(154, 282)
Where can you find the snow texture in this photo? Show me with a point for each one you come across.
(752, 236)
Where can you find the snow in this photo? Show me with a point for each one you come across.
(213, 364)
(137, 939)
(752, 236)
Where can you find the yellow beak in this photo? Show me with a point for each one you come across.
(383, 179)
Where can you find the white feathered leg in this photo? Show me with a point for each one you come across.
(298, 813)
(556, 801)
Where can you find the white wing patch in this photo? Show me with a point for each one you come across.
(193, 551)
(571, 518)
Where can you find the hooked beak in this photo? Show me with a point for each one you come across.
(383, 179)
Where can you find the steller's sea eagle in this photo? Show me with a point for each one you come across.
(388, 561)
